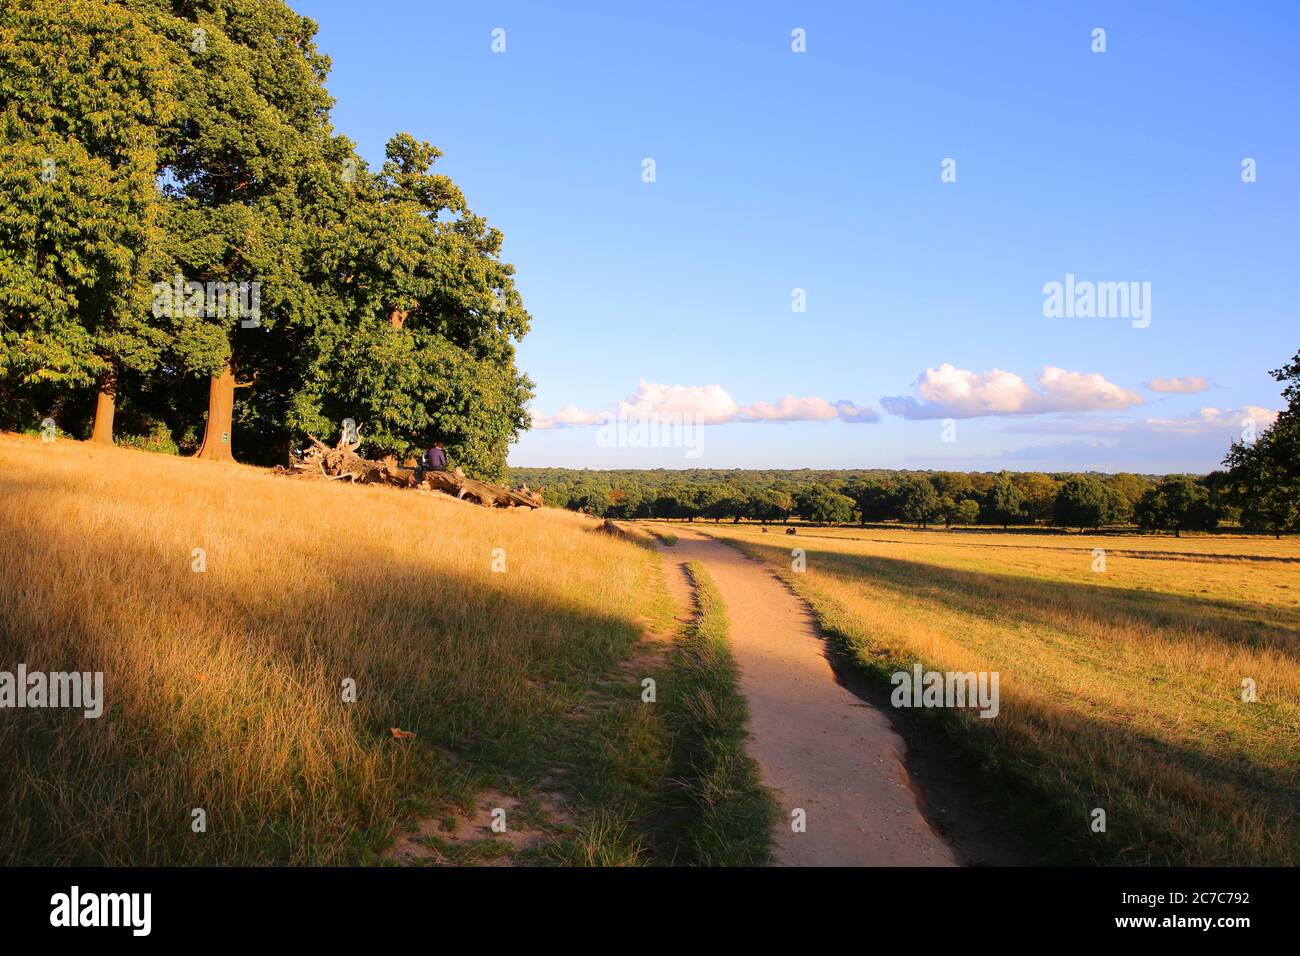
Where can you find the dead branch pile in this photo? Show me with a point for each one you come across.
(342, 463)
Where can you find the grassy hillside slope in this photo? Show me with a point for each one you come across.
(225, 686)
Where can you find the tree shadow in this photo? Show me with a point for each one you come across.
(994, 596)
(933, 539)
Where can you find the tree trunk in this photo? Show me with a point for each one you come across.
(217, 442)
(105, 406)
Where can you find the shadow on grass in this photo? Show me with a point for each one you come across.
(228, 698)
(1042, 772)
(944, 537)
(996, 596)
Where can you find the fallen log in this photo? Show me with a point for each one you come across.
(492, 496)
(342, 463)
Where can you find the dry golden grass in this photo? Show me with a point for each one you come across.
(1120, 689)
(223, 688)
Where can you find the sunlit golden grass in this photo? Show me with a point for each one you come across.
(1120, 689)
(224, 687)
(1258, 576)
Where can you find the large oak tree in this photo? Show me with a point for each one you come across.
(195, 152)
(86, 98)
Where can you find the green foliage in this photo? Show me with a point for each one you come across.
(424, 351)
(1038, 494)
(1129, 487)
(194, 141)
(918, 501)
(1179, 503)
(770, 504)
(874, 499)
(965, 511)
(596, 502)
(158, 440)
(875, 495)
(1004, 503)
(823, 505)
(1263, 478)
(86, 95)
(722, 501)
(1085, 502)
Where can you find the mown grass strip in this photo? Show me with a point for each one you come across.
(672, 784)
(667, 538)
(715, 809)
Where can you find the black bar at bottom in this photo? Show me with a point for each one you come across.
(534, 905)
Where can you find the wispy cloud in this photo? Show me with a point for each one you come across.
(951, 392)
(1209, 420)
(1194, 442)
(1188, 385)
(568, 415)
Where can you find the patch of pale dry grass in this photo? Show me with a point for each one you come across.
(224, 687)
(1120, 689)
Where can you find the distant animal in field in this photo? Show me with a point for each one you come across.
(791, 531)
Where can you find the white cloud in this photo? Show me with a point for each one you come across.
(810, 409)
(790, 409)
(1187, 385)
(707, 405)
(951, 392)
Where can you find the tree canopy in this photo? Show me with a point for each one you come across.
(180, 217)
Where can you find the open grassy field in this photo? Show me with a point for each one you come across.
(1121, 689)
(230, 609)
(225, 686)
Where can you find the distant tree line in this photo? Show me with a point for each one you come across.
(947, 498)
(1260, 491)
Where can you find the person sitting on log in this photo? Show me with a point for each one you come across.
(435, 459)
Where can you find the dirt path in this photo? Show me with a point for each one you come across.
(818, 745)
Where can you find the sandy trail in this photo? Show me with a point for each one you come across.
(817, 745)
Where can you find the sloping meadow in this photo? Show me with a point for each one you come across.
(260, 639)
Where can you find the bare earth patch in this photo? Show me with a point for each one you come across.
(459, 838)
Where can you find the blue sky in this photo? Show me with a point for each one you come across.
(821, 171)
